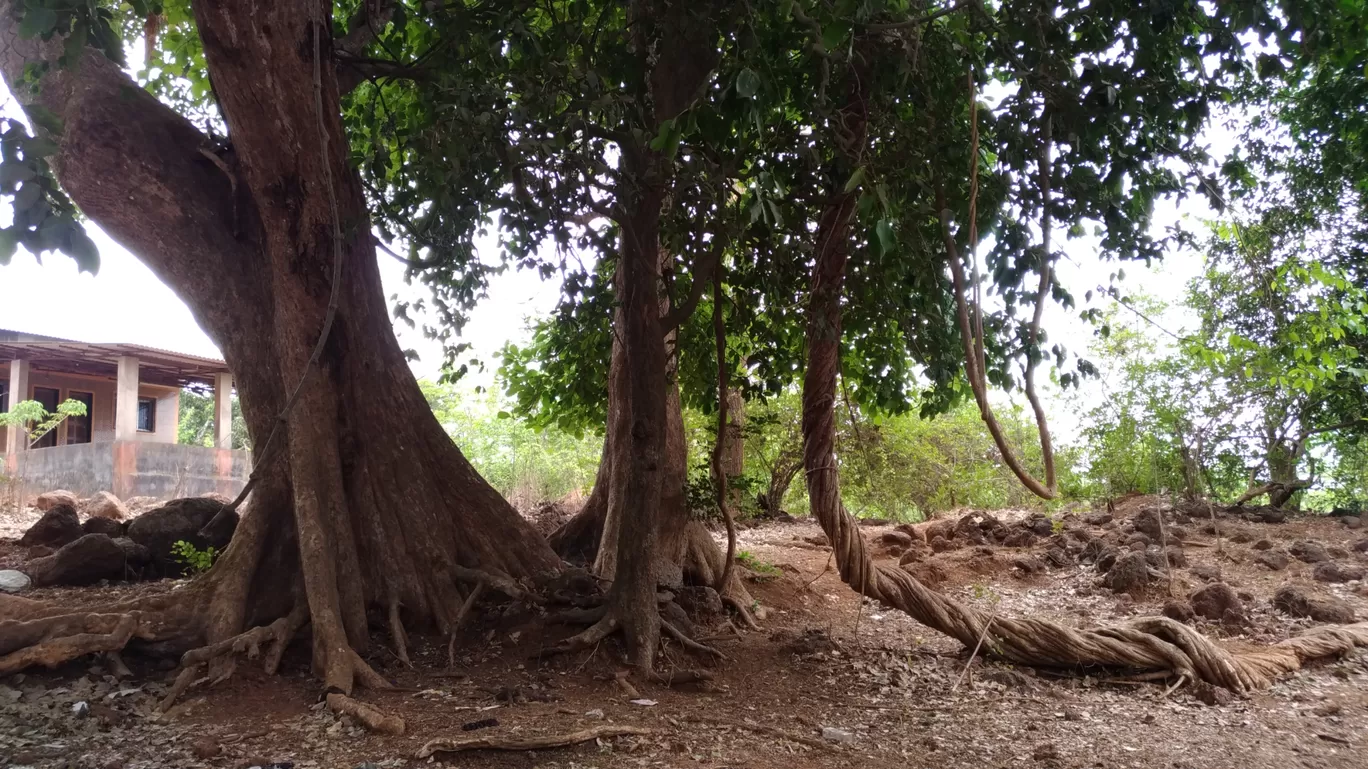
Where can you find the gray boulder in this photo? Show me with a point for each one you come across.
(58, 526)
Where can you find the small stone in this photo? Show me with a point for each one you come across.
(1211, 695)
(12, 581)
(1352, 522)
(1072, 715)
(1263, 544)
(841, 736)
(1205, 572)
(1147, 522)
(80, 709)
(1328, 709)
(595, 713)
(206, 748)
(1046, 752)
(896, 539)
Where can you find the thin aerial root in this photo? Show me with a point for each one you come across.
(454, 745)
(396, 627)
(369, 717)
(456, 623)
(689, 643)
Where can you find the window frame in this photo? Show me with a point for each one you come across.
(88, 398)
(151, 400)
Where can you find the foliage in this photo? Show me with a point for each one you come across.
(194, 560)
(526, 463)
(196, 424)
(762, 568)
(37, 421)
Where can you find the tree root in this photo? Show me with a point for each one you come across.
(770, 731)
(689, 643)
(278, 634)
(53, 641)
(368, 716)
(455, 745)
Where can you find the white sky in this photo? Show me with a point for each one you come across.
(125, 302)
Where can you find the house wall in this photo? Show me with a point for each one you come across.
(103, 391)
(131, 469)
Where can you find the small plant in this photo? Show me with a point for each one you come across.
(748, 560)
(194, 560)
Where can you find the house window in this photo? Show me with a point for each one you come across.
(78, 427)
(147, 415)
(48, 397)
(4, 395)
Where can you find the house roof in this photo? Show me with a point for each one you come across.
(155, 366)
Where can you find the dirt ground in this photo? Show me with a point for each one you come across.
(831, 681)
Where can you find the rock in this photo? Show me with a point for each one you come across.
(914, 532)
(1097, 519)
(38, 551)
(1028, 564)
(1147, 522)
(940, 544)
(106, 526)
(12, 581)
(1212, 696)
(1308, 551)
(1268, 515)
(136, 505)
(1107, 559)
(84, 562)
(205, 748)
(58, 526)
(1335, 573)
(1293, 600)
(1263, 544)
(103, 505)
(1273, 560)
(81, 709)
(1040, 526)
(702, 603)
(819, 540)
(1179, 610)
(1241, 536)
(842, 736)
(135, 555)
(1177, 557)
(51, 499)
(1361, 546)
(1019, 538)
(1337, 552)
(913, 555)
(1205, 572)
(896, 538)
(1140, 538)
(940, 529)
(217, 497)
(1130, 573)
(1058, 557)
(1217, 601)
(180, 520)
(1352, 522)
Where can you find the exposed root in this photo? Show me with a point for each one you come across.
(679, 677)
(456, 745)
(771, 731)
(466, 606)
(51, 642)
(689, 643)
(397, 634)
(249, 643)
(499, 582)
(368, 716)
(596, 632)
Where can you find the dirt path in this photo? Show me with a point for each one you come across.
(881, 686)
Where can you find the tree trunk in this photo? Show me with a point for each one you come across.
(365, 504)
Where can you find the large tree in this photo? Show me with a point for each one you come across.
(361, 504)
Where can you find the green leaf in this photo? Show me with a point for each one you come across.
(887, 240)
(37, 21)
(82, 250)
(28, 194)
(13, 172)
(747, 83)
(8, 244)
(855, 179)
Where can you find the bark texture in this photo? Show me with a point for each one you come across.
(366, 505)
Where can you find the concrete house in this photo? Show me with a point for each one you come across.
(126, 442)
